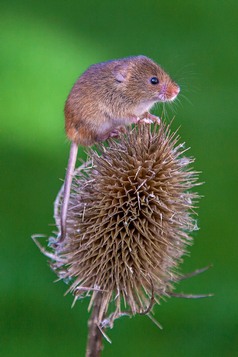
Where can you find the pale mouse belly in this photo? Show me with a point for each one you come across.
(143, 107)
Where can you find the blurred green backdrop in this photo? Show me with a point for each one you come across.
(44, 47)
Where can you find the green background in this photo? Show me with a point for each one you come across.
(44, 47)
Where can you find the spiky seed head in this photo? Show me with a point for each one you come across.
(129, 221)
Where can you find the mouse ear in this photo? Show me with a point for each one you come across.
(121, 72)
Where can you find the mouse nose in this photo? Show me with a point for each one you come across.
(172, 91)
(176, 90)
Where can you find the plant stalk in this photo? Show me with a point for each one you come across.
(94, 344)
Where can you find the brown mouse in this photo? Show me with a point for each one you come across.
(108, 96)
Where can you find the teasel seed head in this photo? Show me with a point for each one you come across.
(130, 217)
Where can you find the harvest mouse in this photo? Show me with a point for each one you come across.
(108, 96)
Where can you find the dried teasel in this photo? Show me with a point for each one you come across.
(130, 217)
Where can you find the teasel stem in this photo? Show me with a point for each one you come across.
(95, 333)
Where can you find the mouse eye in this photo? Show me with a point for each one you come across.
(154, 80)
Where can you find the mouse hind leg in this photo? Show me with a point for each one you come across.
(113, 133)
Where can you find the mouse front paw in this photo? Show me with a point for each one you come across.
(149, 118)
(133, 119)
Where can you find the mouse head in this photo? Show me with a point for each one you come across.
(144, 80)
